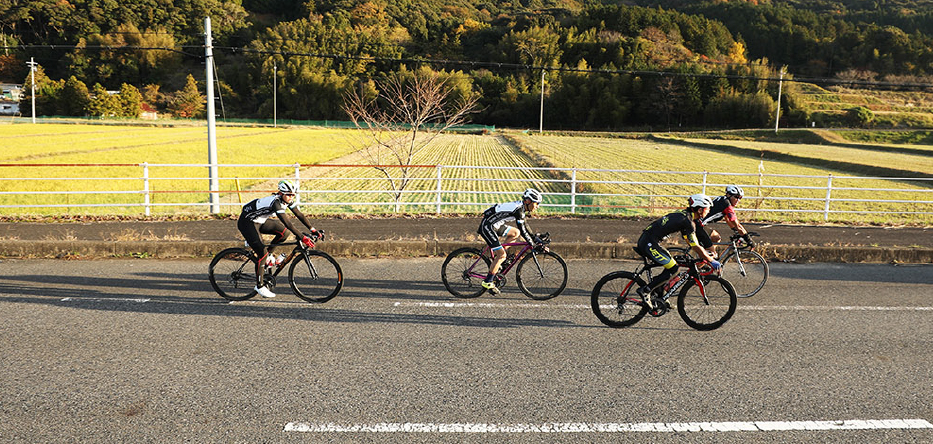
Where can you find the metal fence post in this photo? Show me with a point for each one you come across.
(439, 167)
(829, 190)
(146, 200)
(573, 191)
(705, 176)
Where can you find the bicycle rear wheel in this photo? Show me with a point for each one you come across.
(233, 274)
(615, 302)
(463, 272)
(315, 276)
(707, 307)
(544, 277)
(746, 270)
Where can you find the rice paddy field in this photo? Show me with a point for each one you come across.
(658, 173)
(49, 169)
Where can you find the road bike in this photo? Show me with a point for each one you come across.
(540, 274)
(741, 265)
(705, 301)
(313, 275)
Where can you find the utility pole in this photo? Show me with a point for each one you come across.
(211, 133)
(32, 74)
(777, 115)
(541, 117)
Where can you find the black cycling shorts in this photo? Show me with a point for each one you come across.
(491, 235)
(251, 230)
(651, 248)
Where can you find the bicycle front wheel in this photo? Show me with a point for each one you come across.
(233, 274)
(708, 306)
(746, 270)
(615, 302)
(315, 276)
(542, 275)
(463, 272)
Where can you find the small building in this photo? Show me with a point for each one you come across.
(10, 95)
(11, 91)
(148, 112)
(9, 107)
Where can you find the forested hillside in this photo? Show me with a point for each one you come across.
(607, 65)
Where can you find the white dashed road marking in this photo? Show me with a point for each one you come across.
(577, 306)
(587, 427)
(138, 300)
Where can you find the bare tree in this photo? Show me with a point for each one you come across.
(402, 114)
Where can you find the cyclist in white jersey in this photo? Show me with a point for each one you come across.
(256, 218)
(494, 224)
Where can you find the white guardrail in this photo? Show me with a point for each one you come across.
(452, 188)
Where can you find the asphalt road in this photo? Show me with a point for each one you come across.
(144, 351)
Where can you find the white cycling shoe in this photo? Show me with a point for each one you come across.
(264, 292)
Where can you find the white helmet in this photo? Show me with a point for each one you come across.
(734, 190)
(700, 201)
(532, 195)
(287, 186)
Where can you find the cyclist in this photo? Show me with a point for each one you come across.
(723, 208)
(255, 219)
(684, 221)
(494, 224)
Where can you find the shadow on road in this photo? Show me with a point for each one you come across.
(887, 273)
(169, 294)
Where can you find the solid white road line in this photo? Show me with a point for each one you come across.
(587, 427)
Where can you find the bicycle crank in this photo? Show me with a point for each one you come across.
(660, 308)
(500, 281)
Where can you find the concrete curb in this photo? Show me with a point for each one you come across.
(428, 248)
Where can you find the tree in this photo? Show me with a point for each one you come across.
(187, 102)
(103, 104)
(402, 114)
(130, 101)
(47, 93)
(152, 95)
(74, 97)
(128, 55)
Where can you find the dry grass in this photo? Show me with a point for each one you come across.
(128, 235)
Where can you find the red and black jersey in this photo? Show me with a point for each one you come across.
(721, 209)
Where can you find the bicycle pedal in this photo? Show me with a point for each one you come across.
(660, 308)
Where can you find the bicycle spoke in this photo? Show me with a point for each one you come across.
(706, 306)
(232, 274)
(315, 276)
(463, 272)
(614, 301)
(542, 276)
(747, 271)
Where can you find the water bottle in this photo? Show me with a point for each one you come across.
(280, 259)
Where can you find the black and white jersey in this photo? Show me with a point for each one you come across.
(258, 210)
(501, 214)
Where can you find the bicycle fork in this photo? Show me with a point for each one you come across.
(311, 269)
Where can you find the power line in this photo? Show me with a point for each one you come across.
(485, 64)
